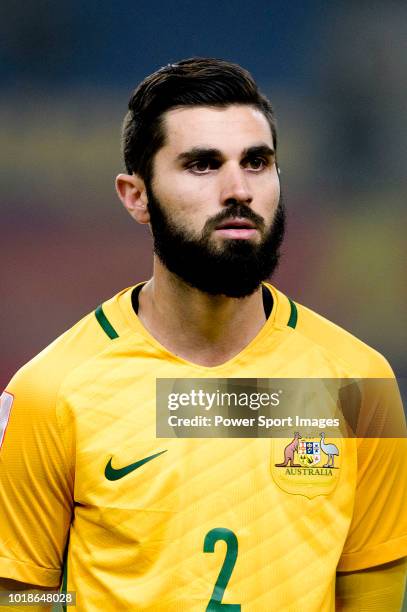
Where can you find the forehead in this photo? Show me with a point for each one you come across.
(232, 128)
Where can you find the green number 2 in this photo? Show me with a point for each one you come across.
(219, 533)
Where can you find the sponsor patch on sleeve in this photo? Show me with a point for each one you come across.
(6, 402)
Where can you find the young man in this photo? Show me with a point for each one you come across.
(139, 517)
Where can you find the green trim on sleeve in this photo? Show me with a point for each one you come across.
(105, 323)
(292, 321)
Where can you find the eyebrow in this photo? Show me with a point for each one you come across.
(206, 152)
(261, 149)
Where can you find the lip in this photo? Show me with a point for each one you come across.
(242, 233)
(236, 223)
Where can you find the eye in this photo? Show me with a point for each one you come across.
(256, 163)
(203, 166)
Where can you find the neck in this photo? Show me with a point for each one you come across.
(201, 328)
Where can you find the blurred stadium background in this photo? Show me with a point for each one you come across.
(335, 72)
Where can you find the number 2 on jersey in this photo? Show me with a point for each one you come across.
(219, 533)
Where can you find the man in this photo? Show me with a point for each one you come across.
(139, 517)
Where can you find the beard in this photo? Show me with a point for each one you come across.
(235, 268)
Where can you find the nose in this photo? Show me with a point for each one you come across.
(235, 185)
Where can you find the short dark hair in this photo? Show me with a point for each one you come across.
(191, 82)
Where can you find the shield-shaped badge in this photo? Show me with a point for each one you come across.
(309, 453)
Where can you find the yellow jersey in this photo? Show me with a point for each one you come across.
(137, 522)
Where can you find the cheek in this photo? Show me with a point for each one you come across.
(188, 198)
(197, 191)
(267, 195)
(182, 209)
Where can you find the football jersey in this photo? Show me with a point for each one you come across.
(136, 522)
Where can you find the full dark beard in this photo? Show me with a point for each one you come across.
(234, 269)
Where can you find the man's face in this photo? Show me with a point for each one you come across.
(214, 201)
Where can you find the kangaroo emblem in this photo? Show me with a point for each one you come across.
(289, 452)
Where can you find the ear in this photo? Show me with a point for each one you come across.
(132, 192)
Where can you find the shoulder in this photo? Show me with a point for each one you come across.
(339, 344)
(40, 378)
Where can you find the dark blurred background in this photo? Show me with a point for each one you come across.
(335, 72)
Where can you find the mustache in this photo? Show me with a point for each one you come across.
(238, 211)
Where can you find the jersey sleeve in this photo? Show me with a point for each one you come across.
(36, 478)
(378, 530)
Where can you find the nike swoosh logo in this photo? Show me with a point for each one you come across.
(112, 474)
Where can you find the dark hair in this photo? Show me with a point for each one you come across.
(190, 82)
